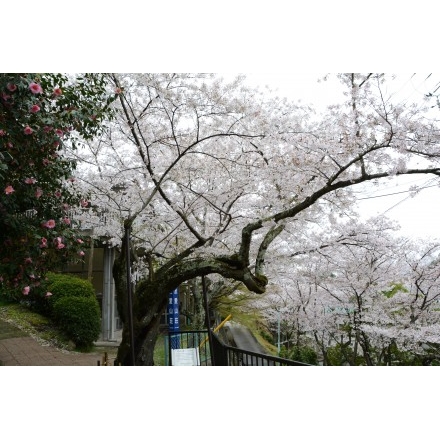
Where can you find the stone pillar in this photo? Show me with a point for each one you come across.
(108, 297)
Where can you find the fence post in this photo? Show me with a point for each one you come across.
(208, 327)
(219, 352)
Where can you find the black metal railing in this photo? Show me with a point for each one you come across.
(193, 348)
(226, 355)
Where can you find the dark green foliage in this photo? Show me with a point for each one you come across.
(4, 299)
(266, 336)
(306, 355)
(431, 356)
(73, 307)
(62, 285)
(337, 355)
(80, 319)
(343, 354)
(59, 285)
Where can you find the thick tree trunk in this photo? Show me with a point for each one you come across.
(151, 295)
(199, 311)
(149, 302)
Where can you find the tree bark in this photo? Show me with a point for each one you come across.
(151, 296)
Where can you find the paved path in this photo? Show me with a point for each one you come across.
(26, 351)
(245, 340)
(242, 338)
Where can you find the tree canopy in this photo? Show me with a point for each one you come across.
(217, 178)
(371, 294)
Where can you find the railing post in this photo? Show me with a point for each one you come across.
(208, 327)
(219, 351)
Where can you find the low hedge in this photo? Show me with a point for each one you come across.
(74, 308)
(61, 285)
(80, 318)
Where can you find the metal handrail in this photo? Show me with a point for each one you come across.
(239, 357)
(221, 354)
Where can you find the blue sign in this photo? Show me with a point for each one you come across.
(173, 317)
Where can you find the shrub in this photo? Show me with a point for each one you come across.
(62, 285)
(304, 354)
(339, 355)
(267, 336)
(80, 318)
(59, 285)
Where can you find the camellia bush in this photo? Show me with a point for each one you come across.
(41, 116)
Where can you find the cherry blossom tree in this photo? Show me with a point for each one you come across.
(360, 275)
(370, 296)
(210, 177)
(412, 310)
(40, 114)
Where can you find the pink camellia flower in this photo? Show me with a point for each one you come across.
(48, 294)
(28, 130)
(47, 129)
(50, 224)
(28, 260)
(59, 243)
(66, 220)
(78, 240)
(2, 132)
(46, 162)
(38, 193)
(10, 145)
(43, 243)
(59, 132)
(30, 180)
(34, 109)
(11, 87)
(57, 194)
(84, 203)
(35, 88)
(9, 190)
(57, 92)
(26, 290)
(81, 253)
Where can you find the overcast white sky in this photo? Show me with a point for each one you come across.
(418, 216)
